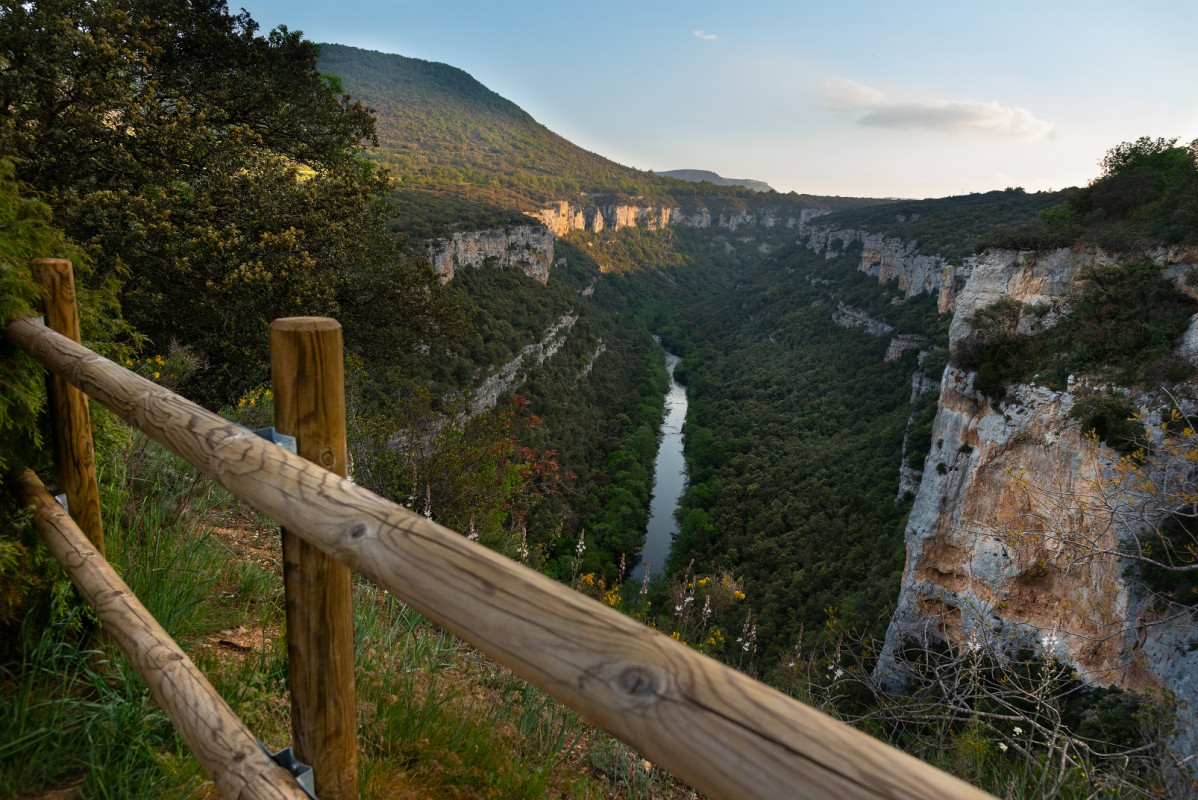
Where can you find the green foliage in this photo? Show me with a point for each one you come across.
(72, 710)
(442, 132)
(469, 473)
(1171, 581)
(919, 435)
(1109, 416)
(793, 439)
(25, 233)
(425, 215)
(479, 139)
(948, 226)
(1123, 327)
(74, 716)
(69, 716)
(211, 169)
(1003, 718)
(632, 250)
(1147, 194)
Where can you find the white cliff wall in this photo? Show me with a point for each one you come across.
(564, 217)
(888, 259)
(526, 247)
(996, 481)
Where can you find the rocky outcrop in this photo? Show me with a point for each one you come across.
(525, 247)
(511, 374)
(911, 468)
(564, 217)
(849, 317)
(885, 257)
(901, 344)
(1007, 493)
(600, 349)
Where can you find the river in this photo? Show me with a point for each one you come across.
(669, 480)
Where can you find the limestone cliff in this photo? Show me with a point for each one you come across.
(849, 317)
(1005, 490)
(525, 247)
(515, 371)
(890, 259)
(564, 217)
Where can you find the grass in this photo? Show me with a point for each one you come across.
(437, 719)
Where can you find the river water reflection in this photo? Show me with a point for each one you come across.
(669, 480)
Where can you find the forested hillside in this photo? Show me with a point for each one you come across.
(950, 227)
(440, 132)
(439, 128)
(208, 178)
(795, 439)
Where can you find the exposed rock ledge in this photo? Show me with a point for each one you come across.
(513, 372)
(563, 217)
(849, 317)
(984, 561)
(526, 247)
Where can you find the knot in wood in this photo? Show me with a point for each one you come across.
(359, 531)
(327, 459)
(637, 682)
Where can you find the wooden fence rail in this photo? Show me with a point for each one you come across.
(724, 733)
(225, 748)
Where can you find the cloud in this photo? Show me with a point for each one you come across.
(843, 94)
(710, 37)
(876, 110)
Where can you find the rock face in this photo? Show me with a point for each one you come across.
(526, 247)
(849, 317)
(514, 372)
(1005, 491)
(564, 217)
(901, 344)
(888, 259)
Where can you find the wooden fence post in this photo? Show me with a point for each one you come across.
(721, 731)
(73, 450)
(219, 740)
(308, 374)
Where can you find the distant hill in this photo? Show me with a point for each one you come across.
(700, 175)
(438, 126)
(443, 133)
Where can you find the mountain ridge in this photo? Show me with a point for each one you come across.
(442, 132)
(700, 175)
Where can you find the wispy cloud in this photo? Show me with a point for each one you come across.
(711, 37)
(876, 110)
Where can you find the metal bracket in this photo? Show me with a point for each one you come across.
(62, 501)
(302, 773)
(281, 439)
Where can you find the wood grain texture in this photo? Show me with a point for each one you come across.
(74, 455)
(308, 379)
(726, 734)
(224, 747)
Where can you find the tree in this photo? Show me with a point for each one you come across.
(25, 232)
(213, 171)
(1149, 186)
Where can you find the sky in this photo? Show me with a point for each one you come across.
(853, 98)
